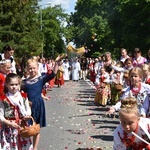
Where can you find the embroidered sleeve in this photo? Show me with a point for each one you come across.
(145, 107)
(118, 145)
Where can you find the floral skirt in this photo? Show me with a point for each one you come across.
(11, 140)
(101, 96)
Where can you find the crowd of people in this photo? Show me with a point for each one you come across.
(123, 83)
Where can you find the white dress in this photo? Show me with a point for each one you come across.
(66, 66)
(75, 70)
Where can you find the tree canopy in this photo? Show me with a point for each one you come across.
(99, 26)
(30, 28)
(110, 25)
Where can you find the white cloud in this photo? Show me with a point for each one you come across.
(67, 5)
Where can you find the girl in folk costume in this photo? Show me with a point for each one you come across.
(138, 60)
(102, 94)
(137, 89)
(108, 61)
(146, 73)
(103, 89)
(102, 76)
(92, 74)
(133, 133)
(50, 66)
(124, 55)
(116, 84)
(14, 107)
(146, 106)
(33, 86)
(5, 66)
(128, 65)
(59, 80)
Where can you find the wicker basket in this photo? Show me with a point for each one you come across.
(118, 87)
(28, 131)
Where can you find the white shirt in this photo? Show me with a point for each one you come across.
(142, 97)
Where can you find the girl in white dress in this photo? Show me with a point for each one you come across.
(138, 59)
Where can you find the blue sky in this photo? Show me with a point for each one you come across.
(67, 5)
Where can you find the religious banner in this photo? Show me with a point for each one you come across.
(78, 51)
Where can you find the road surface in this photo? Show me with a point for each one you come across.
(74, 122)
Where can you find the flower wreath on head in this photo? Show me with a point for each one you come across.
(4, 61)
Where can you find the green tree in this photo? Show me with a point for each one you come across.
(135, 16)
(129, 23)
(54, 20)
(89, 19)
(117, 23)
(19, 26)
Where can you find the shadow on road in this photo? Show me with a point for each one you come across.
(103, 137)
(105, 122)
(99, 109)
(88, 149)
(110, 127)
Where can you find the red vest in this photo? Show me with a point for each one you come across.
(12, 112)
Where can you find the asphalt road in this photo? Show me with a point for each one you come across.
(74, 122)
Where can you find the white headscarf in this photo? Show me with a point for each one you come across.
(17, 100)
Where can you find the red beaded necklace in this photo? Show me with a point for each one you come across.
(128, 141)
(135, 92)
